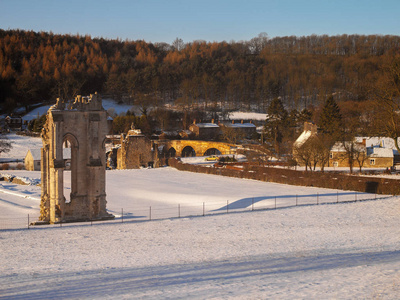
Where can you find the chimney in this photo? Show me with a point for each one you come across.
(212, 121)
(241, 122)
(233, 121)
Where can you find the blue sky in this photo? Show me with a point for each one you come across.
(210, 20)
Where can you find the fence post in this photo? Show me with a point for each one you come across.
(150, 214)
(204, 208)
(275, 202)
(179, 210)
(317, 198)
(122, 215)
(28, 221)
(296, 199)
(227, 206)
(355, 196)
(337, 197)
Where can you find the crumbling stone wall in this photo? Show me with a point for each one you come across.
(136, 151)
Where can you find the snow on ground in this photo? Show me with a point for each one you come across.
(329, 251)
(237, 115)
(20, 146)
(37, 112)
(333, 250)
(169, 193)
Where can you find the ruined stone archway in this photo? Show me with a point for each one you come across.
(84, 126)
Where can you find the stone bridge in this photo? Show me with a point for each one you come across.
(185, 148)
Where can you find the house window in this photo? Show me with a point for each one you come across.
(335, 164)
(372, 161)
(331, 155)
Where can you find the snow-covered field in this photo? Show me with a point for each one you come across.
(348, 250)
(331, 251)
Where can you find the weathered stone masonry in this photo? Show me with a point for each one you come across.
(84, 126)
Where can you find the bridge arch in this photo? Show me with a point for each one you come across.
(200, 148)
(188, 151)
(171, 152)
(212, 151)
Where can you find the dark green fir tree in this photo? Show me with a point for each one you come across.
(330, 121)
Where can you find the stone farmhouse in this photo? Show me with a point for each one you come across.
(246, 130)
(205, 131)
(213, 131)
(310, 129)
(372, 155)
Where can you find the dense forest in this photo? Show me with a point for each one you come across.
(302, 71)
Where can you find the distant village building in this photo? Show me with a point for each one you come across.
(136, 151)
(369, 156)
(33, 158)
(246, 130)
(205, 131)
(374, 156)
(13, 123)
(379, 157)
(310, 129)
(186, 134)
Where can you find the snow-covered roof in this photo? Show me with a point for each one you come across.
(304, 136)
(241, 125)
(36, 154)
(384, 142)
(206, 125)
(380, 152)
(236, 115)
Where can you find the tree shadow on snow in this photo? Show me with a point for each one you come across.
(184, 278)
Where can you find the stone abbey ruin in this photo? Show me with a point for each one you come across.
(82, 126)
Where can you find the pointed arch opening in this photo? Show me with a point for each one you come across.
(69, 156)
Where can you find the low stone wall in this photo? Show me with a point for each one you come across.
(301, 178)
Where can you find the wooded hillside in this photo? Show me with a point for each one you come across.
(301, 70)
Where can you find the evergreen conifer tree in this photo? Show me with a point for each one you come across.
(330, 121)
(275, 124)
